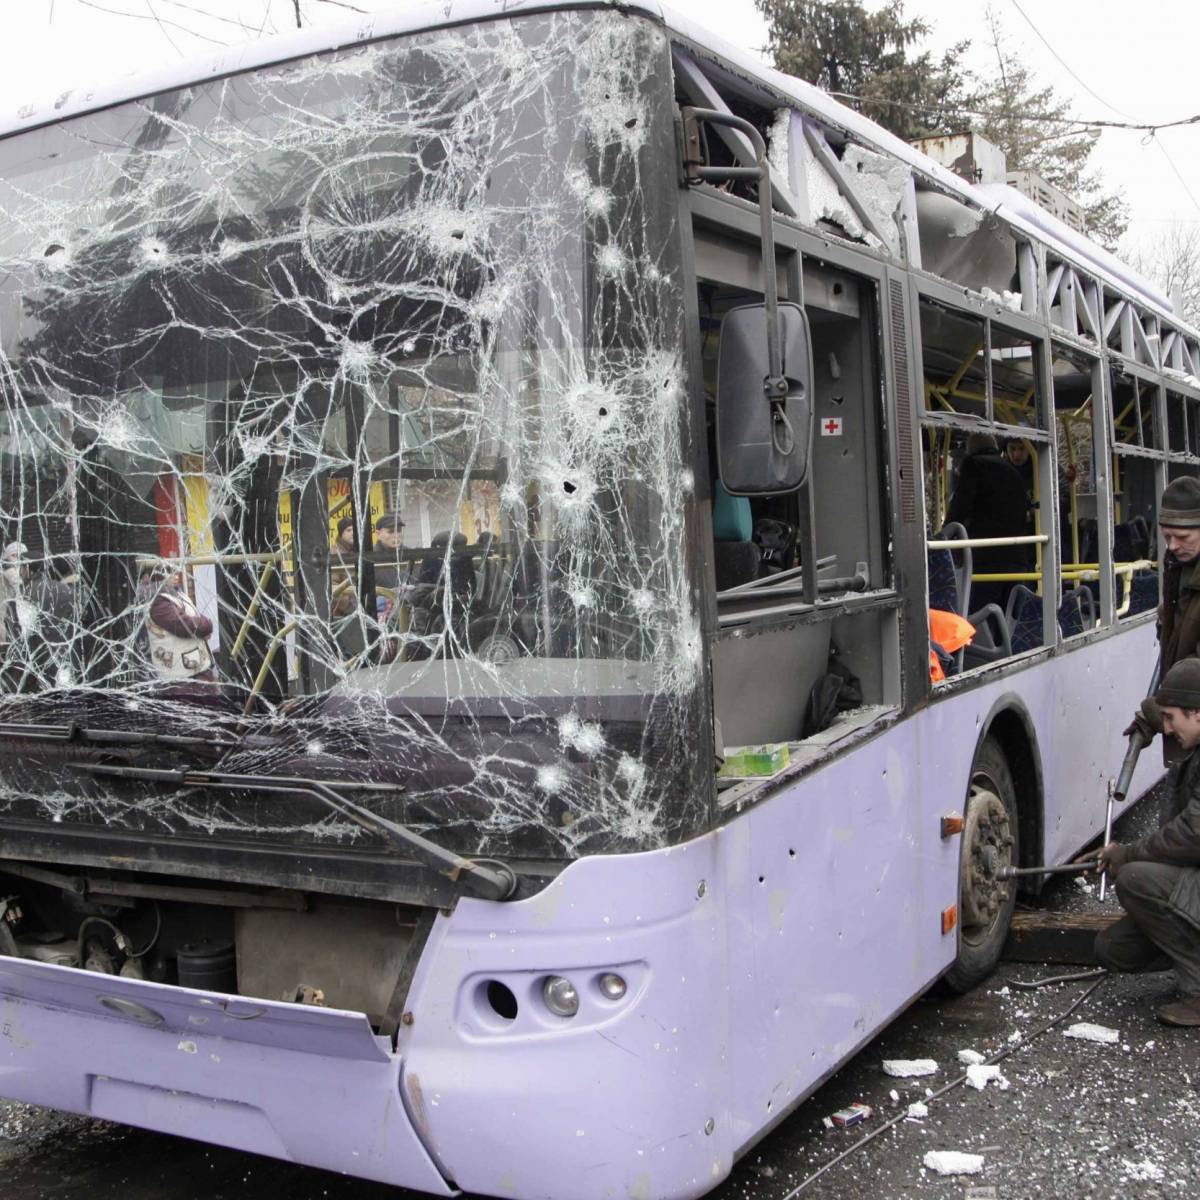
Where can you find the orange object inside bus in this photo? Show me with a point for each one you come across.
(952, 633)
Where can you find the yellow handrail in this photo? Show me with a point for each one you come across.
(268, 659)
(252, 611)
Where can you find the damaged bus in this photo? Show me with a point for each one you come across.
(473, 495)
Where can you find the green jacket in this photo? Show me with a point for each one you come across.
(1178, 638)
(1179, 614)
(1178, 840)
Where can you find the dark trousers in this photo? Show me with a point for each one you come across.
(1150, 937)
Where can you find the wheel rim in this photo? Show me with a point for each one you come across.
(987, 846)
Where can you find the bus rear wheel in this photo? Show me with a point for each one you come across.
(989, 842)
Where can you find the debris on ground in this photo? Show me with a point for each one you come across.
(953, 1162)
(1087, 1032)
(970, 1058)
(979, 1076)
(1142, 1172)
(918, 1109)
(853, 1114)
(908, 1068)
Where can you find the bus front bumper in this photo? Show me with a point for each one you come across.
(308, 1085)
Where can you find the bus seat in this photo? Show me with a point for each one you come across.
(992, 639)
(731, 517)
(961, 563)
(1131, 541)
(943, 585)
(735, 563)
(1024, 615)
(776, 542)
(1088, 610)
(950, 590)
(735, 556)
(1143, 592)
(1076, 613)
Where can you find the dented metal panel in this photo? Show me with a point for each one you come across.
(224, 1069)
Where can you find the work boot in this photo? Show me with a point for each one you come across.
(1185, 1012)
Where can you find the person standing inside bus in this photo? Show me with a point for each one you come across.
(178, 632)
(1158, 878)
(391, 570)
(17, 610)
(990, 501)
(1179, 613)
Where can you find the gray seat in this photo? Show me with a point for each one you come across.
(992, 640)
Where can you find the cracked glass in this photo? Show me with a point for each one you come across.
(343, 421)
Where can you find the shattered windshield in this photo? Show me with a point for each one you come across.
(342, 408)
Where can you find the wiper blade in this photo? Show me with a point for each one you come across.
(66, 734)
(491, 879)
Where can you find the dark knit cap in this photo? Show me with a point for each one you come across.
(978, 442)
(389, 521)
(1180, 503)
(1180, 687)
(344, 524)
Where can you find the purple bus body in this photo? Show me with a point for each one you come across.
(758, 958)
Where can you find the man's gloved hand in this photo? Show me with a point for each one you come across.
(1112, 858)
(1147, 721)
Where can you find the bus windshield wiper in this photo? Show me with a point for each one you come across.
(491, 879)
(74, 732)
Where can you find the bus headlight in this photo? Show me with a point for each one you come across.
(612, 986)
(560, 996)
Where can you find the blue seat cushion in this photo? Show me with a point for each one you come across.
(731, 517)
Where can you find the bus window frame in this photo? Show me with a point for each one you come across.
(1102, 438)
(927, 287)
(1190, 398)
(1161, 456)
(735, 222)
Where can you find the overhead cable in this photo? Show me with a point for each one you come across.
(1063, 63)
(120, 12)
(1083, 123)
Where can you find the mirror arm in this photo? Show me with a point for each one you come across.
(775, 386)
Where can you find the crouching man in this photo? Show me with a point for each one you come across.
(1158, 878)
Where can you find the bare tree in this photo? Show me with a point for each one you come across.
(1172, 260)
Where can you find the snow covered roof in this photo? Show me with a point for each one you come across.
(1009, 204)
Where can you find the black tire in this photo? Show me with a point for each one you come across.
(989, 841)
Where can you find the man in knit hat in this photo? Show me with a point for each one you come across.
(989, 501)
(1158, 878)
(1179, 613)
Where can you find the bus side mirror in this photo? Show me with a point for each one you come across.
(764, 425)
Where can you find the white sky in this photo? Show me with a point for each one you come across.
(1144, 68)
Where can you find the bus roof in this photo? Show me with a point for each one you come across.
(1009, 204)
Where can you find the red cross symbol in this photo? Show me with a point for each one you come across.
(832, 427)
